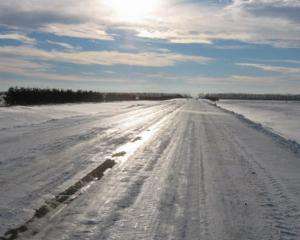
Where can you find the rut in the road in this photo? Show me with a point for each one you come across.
(182, 209)
(195, 223)
(61, 198)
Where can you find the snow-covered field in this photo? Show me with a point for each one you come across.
(282, 117)
(182, 170)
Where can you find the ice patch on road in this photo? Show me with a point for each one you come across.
(131, 147)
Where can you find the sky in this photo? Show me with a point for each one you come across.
(151, 45)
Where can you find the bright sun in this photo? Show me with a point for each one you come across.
(132, 10)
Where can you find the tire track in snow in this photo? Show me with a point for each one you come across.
(168, 208)
(182, 209)
(138, 221)
(227, 204)
(195, 224)
(281, 212)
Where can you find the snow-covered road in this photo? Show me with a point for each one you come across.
(201, 173)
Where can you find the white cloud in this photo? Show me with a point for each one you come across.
(202, 24)
(288, 9)
(86, 30)
(232, 80)
(255, 79)
(278, 61)
(272, 68)
(19, 66)
(44, 71)
(146, 59)
(274, 22)
(18, 37)
(41, 71)
(61, 44)
(242, 83)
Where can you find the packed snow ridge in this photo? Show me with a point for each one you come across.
(278, 119)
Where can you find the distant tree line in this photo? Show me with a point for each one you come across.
(2, 102)
(33, 96)
(250, 96)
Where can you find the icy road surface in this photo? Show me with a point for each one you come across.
(196, 172)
